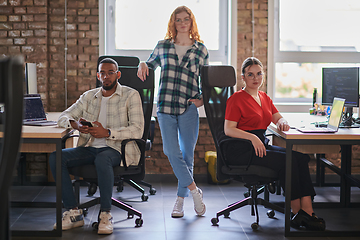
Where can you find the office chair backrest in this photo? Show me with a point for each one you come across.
(218, 83)
(145, 88)
(217, 86)
(130, 61)
(11, 94)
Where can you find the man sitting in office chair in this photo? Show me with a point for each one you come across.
(104, 117)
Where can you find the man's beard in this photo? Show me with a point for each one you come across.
(109, 87)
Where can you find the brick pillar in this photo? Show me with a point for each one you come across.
(82, 50)
(245, 34)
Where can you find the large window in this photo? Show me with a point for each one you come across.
(134, 27)
(306, 36)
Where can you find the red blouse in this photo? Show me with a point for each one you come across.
(242, 108)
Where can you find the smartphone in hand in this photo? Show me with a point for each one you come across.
(85, 123)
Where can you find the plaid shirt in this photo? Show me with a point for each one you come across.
(125, 118)
(179, 81)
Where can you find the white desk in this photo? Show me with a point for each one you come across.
(344, 137)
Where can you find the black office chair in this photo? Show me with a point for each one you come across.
(128, 61)
(11, 95)
(217, 87)
(134, 62)
(124, 173)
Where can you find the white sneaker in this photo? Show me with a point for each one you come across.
(105, 223)
(199, 205)
(178, 210)
(72, 219)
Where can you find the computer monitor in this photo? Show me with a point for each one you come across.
(343, 83)
(30, 83)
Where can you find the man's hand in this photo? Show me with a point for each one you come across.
(78, 126)
(98, 131)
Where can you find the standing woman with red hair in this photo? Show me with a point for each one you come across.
(180, 55)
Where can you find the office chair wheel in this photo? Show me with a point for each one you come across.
(92, 189)
(272, 188)
(95, 226)
(152, 191)
(144, 197)
(270, 213)
(215, 221)
(254, 226)
(85, 211)
(247, 194)
(139, 222)
(120, 188)
(227, 215)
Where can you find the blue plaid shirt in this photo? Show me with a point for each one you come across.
(179, 81)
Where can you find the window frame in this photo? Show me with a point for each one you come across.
(220, 55)
(277, 56)
(231, 37)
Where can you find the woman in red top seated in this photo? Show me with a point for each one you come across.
(248, 114)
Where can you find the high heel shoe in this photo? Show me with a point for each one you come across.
(309, 222)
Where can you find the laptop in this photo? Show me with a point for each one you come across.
(334, 119)
(34, 111)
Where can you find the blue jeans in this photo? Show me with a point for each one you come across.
(103, 158)
(179, 135)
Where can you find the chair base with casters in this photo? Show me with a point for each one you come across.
(91, 171)
(251, 200)
(92, 187)
(136, 185)
(131, 211)
(89, 174)
(271, 187)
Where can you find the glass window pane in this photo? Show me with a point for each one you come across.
(319, 25)
(295, 82)
(142, 27)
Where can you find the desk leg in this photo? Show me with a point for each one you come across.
(320, 170)
(288, 187)
(345, 191)
(58, 189)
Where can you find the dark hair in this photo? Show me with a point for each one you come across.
(249, 62)
(109, 60)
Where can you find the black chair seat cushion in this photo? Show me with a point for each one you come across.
(253, 175)
(252, 170)
(89, 171)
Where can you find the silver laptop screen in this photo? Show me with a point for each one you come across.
(336, 113)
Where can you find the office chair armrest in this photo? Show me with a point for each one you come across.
(243, 149)
(67, 136)
(141, 144)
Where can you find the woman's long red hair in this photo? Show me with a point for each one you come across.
(171, 30)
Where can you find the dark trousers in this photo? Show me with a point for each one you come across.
(275, 159)
(301, 184)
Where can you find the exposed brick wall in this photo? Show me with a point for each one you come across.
(36, 30)
(82, 50)
(245, 44)
(157, 162)
(24, 31)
